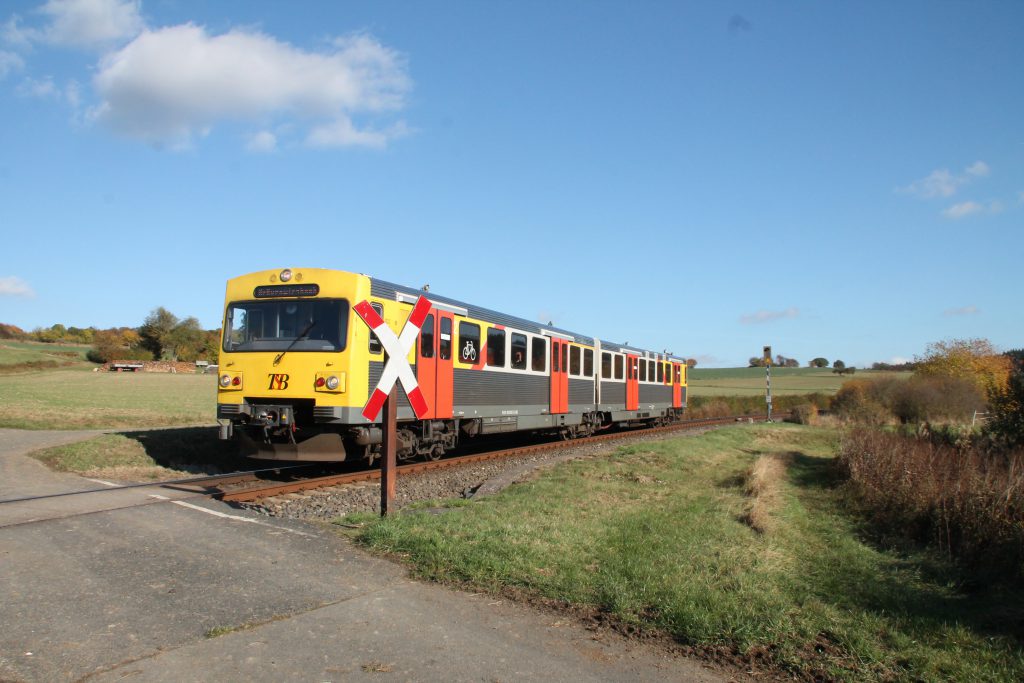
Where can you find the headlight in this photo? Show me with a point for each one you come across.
(225, 380)
(332, 382)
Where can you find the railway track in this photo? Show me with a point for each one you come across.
(251, 486)
(251, 494)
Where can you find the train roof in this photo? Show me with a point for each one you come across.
(388, 290)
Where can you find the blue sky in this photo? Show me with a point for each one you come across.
(835, 179)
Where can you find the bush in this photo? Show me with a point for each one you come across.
(1007, 425)
(722, 406)
(929, 399)
(916, 400)
(863, 401)
(804, 414)
(966, 501)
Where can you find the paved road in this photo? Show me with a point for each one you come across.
(136, 592)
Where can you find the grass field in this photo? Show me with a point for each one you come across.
(72, 399)
(155, 454)
(734, 542)
(18, 356)
(751, 381)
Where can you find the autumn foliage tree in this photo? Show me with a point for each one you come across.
(972, 360)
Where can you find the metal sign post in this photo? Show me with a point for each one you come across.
(385, 394)
(768, 380)
(388, 473)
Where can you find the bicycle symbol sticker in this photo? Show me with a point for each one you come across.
(469, 352)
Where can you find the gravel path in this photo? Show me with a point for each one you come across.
(485, 478)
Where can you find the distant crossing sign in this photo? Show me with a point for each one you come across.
(397, 349)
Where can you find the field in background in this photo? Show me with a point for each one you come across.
(16, 356)
(750, 381)
(72, 399)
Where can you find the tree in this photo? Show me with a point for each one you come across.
(975, 360)
(818, 362)
(756, 362)
(186, 341)
(839, 365)
(1007, 408)
(156, 331)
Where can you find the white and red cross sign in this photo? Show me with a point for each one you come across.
(397, 349)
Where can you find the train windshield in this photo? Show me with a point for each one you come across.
(293, 325)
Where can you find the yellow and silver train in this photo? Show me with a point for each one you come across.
(297, 366)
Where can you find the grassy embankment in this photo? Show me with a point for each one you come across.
(732, 542)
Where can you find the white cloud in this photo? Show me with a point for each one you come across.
(964, 310)
(90, 23)
(342, 133)
(978, 168)
(264, 141)
(42, 88)
(171, 84)
(968, 208)
(769, 316)
(962, 210)
(13, 285)
(9, 61)
(943, 183)
(14, 36)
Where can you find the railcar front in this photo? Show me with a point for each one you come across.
(286, 387)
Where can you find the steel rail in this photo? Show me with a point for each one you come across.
(250, 494)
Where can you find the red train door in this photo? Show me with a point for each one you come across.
(559, 376)
(677, 386)
(434, 363)
(632, 383)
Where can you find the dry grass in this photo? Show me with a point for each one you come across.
(763, 485)
(966, 501)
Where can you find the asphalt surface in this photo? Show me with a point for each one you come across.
(112, 585)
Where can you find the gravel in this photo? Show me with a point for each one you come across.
(478, 479)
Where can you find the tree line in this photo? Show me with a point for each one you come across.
(162, 336)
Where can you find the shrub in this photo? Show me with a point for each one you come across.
(932, 398)
(966, 501)
(721, 406)
(805, 414)
(1007, 407)
(862, 401)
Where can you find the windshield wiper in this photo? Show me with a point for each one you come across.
(295, 341)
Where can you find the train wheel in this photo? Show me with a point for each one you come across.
(436, 452)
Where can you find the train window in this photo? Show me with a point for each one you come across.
(643, 370)
(539, 356)
(588, 362)
(518, 351)
(661, 373)
(279, 325)
(606, 365)
(618, 367)
(555, 365)
(496, 347)
(574, 361)
(445, 348)
(427, 337)
(565, 357)
(469, 342)
(375, 346)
